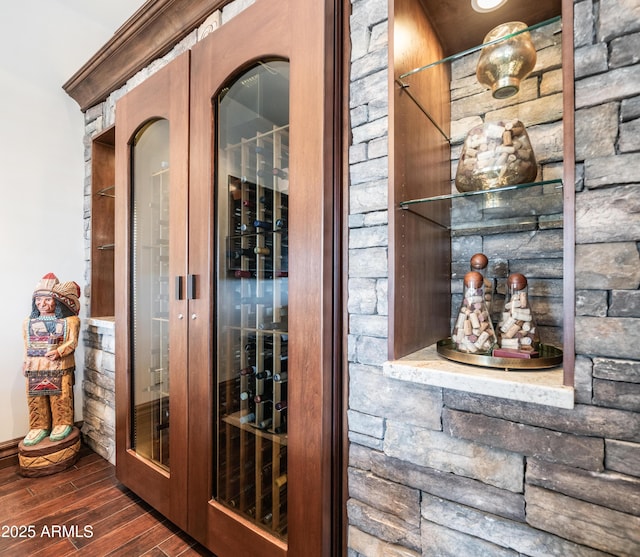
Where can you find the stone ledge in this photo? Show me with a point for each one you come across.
(427, 367)
(104, 322)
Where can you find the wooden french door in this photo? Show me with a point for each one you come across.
(247, 278)
(152, 146)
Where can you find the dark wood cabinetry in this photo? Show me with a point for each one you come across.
(228, 390)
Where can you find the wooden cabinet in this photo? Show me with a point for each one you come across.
(102, 224)
(428, 58)
(227, 400)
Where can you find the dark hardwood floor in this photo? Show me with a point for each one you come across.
(83, 510)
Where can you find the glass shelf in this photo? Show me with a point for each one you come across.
(408, 203)
(473, 49)
(405, 86)
(496, 210)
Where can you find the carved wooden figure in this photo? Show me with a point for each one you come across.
(50, 336)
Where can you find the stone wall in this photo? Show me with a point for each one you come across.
(441, 472)
(368, 191)
(99, 402)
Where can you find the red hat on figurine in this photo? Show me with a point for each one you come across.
(67, 293)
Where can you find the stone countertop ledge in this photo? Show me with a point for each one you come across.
(427, 367)
(107, 322)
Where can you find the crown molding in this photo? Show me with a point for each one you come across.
(148, 34)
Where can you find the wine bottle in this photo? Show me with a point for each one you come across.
(243, 252)
(247, 418)
(284, 360)
(262, 224)
(264, 424)
(280, 377)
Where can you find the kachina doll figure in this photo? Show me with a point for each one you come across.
(50, 338)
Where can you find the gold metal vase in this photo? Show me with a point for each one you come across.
(504, 64)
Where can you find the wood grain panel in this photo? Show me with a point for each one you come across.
(420, 249)
(102, 224)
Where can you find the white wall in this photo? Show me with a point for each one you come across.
(42, 44)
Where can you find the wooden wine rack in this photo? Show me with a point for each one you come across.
(253, 339)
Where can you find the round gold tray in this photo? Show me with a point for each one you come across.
(550, 356)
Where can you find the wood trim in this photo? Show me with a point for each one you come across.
(239, 537)
(569, 176)
(9, 453)
(341, 197)
(150, 33)
(313, 71)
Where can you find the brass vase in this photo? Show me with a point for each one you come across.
(503, 65)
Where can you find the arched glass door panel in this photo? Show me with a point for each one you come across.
(252, 336)
(150, 293)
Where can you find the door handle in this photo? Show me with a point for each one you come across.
(178, 288)
(191, 287)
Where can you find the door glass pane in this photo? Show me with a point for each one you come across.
(150, 294)
(251, 303)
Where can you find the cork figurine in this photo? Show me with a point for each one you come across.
(50, 337)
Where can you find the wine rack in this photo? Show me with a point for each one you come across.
(253, 335)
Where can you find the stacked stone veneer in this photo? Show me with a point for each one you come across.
(99, 334)
(98, 405)
(441, 472)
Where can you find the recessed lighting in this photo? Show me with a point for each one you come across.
(484, 6)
